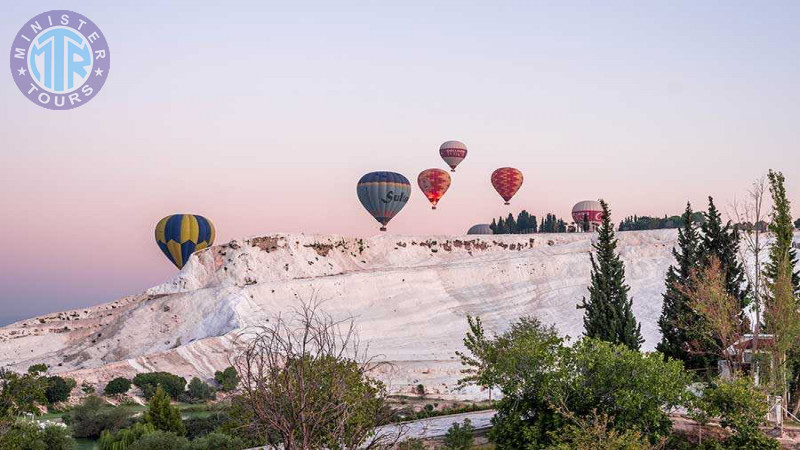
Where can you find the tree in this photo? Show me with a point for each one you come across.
(58, 389)
(227, 379)
(459, 436)
(119, 385)
(709, 296)
(21, 394)
(37, 369)
(782, 256)
(721, 242)
(122, 439)
(609, 314)
(783, 320)
(597, 433)
(305, 380)
(160, 440)
(678, 322)
(27, 435)
(172, 384)
(797, 223)
(94, 416)
(217, 441)
(199, 391)
(162, 415)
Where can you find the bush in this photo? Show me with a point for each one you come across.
(459, 437)
(200, 426)
(94, 415)
(228, 379)
(162, 415)
(411, 444)
(37, 369)
(199, 391)
(160, 440)
(119, 385)
(58, 389)
(123, 438)
(217, 441)
(172, 384)
(594, 433)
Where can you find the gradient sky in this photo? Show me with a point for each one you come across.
(263, 115)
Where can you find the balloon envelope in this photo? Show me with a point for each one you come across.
(180, 235)
(588, 210)
(507, 181)
(383, 194)
(481, 228)
(453, 152)
(434, 183)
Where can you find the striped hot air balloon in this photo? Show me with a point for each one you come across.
(383, 195)
(180, 235)
(453, 152)
(587, 213)
(434, 183)
(507, 181)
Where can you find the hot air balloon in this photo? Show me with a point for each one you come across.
(507, 181)
(180, 235)
(453, 152)
(587, 212)
(383, 194)
(481, 228)
(434, 183)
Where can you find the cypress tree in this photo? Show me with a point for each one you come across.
(162, 415)
(679, 324)
(511, 224)
(493, 226)
(609, 314)
(722, 241)
(781, 253)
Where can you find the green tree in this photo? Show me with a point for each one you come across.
(609, 314)
(162, 415)
(24, 434)
(172, 384)
(797, 223)
(119, 385)
(721, 242)
(94, 415)
(459, 436)
(21, 393)
(37, 369)
(781, 253)
(58, 389)
(227, 379)
(217, 441)
(199, 391)
(123, 438)
(680, 325)
(160, 440)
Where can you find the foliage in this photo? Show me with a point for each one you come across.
(58, 389)
(162, 415)
(199, 391)
(119, 385)
(26, 435)
(37, 369)
(20, 394)
(797, 223)
(609, 313)
(200, 426)
(411, 444)
(94, 415)
(524, 224)
(597, 433)
(172, 384)
(124, 437)
(633, 223)
(304, 379)
(228, 379)
(781, 250)
(459, 436)
(160, 440)
(217, 441)
(741, 408)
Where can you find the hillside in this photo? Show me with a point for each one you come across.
(409, 295)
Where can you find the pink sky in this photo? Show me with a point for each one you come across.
(266, 123)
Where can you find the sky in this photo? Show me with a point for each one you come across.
(263, 115)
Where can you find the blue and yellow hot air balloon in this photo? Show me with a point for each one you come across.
(180, 235)
(383, 194)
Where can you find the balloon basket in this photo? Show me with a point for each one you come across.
(507, 203)
(433, 207)
(452, 170)
(383, 228)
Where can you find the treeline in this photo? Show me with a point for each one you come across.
(636, 223)
(525, 223)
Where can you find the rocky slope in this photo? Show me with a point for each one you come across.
(409, 295)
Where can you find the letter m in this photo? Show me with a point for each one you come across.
(19, 53)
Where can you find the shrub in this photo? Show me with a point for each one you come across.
(58, 389)
(411, 444)
(37, 369)
(200, 426)
(199, 391)
(217, 441)
(94, 415)
(172, 384)
(228, 379)
(162, 415)
(160, 440)
(119, 385)
(595, 433)
(459, 436)
(26, 435)
(123, 438)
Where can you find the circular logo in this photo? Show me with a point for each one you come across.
(60, 59)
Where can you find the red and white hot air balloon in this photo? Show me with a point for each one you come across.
(507, 181)
(587, 214)
(453, 152)
(434, 183)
